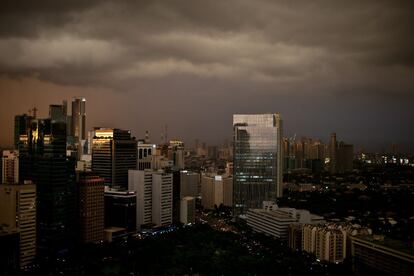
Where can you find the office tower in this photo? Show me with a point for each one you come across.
(345, 157)
(114, 152)
(341, 156)
(145, 155)
(91, 207)
(189, 183)
(187, 210)
(18, 213)
(79, 118)
(216, 190)
(43, 160)
(140, 182)
(162, 198)
(154, 192)
(257, 160)
(10, 167)
(21, 123)
(58, 112)
(185, 183)
(176, 195)
(176, 153)
(332, 154)
(212, 152)
(76, 139)
(120, 209)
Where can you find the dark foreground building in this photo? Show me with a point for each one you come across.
(43, 160)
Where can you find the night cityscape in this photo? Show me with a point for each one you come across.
(206, 138)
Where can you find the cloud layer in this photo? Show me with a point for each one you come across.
(333, 52)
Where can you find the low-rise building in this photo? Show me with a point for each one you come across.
(376, 254)
(275, 221)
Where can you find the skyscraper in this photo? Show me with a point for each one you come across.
(78, 126)
(78, 118)
(18, 212)
(341, 156)
(114, 152)
(58, 112)
(42, 159)
(91, 206)
(154, 190)
(258, 156)
(21, 123)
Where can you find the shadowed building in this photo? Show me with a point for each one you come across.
(42, 159)
(120, 209)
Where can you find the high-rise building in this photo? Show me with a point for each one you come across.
(341, 156)
(58, 112)
(21, 123)
(162, 198)
(189, 182)
(91, 207)
(332, 154)
(176, 153)
(79, 118)
(258, 155)
(345, 157)
(154, 192)
(187, 210)
(42, 159)
(140, 182)
(10, 167)
(120, 209)
(216, 190)
(18, 213)
(114, 152)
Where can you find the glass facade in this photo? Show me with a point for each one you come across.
(257, 160)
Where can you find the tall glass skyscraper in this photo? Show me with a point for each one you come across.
(258, 159)
(43, 160)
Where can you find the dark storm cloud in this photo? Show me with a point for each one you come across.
(287, 54)
(261, 40)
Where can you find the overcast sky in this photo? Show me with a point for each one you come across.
(326, 66)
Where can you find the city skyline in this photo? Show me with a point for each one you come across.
(157, 137)
(326, 67)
